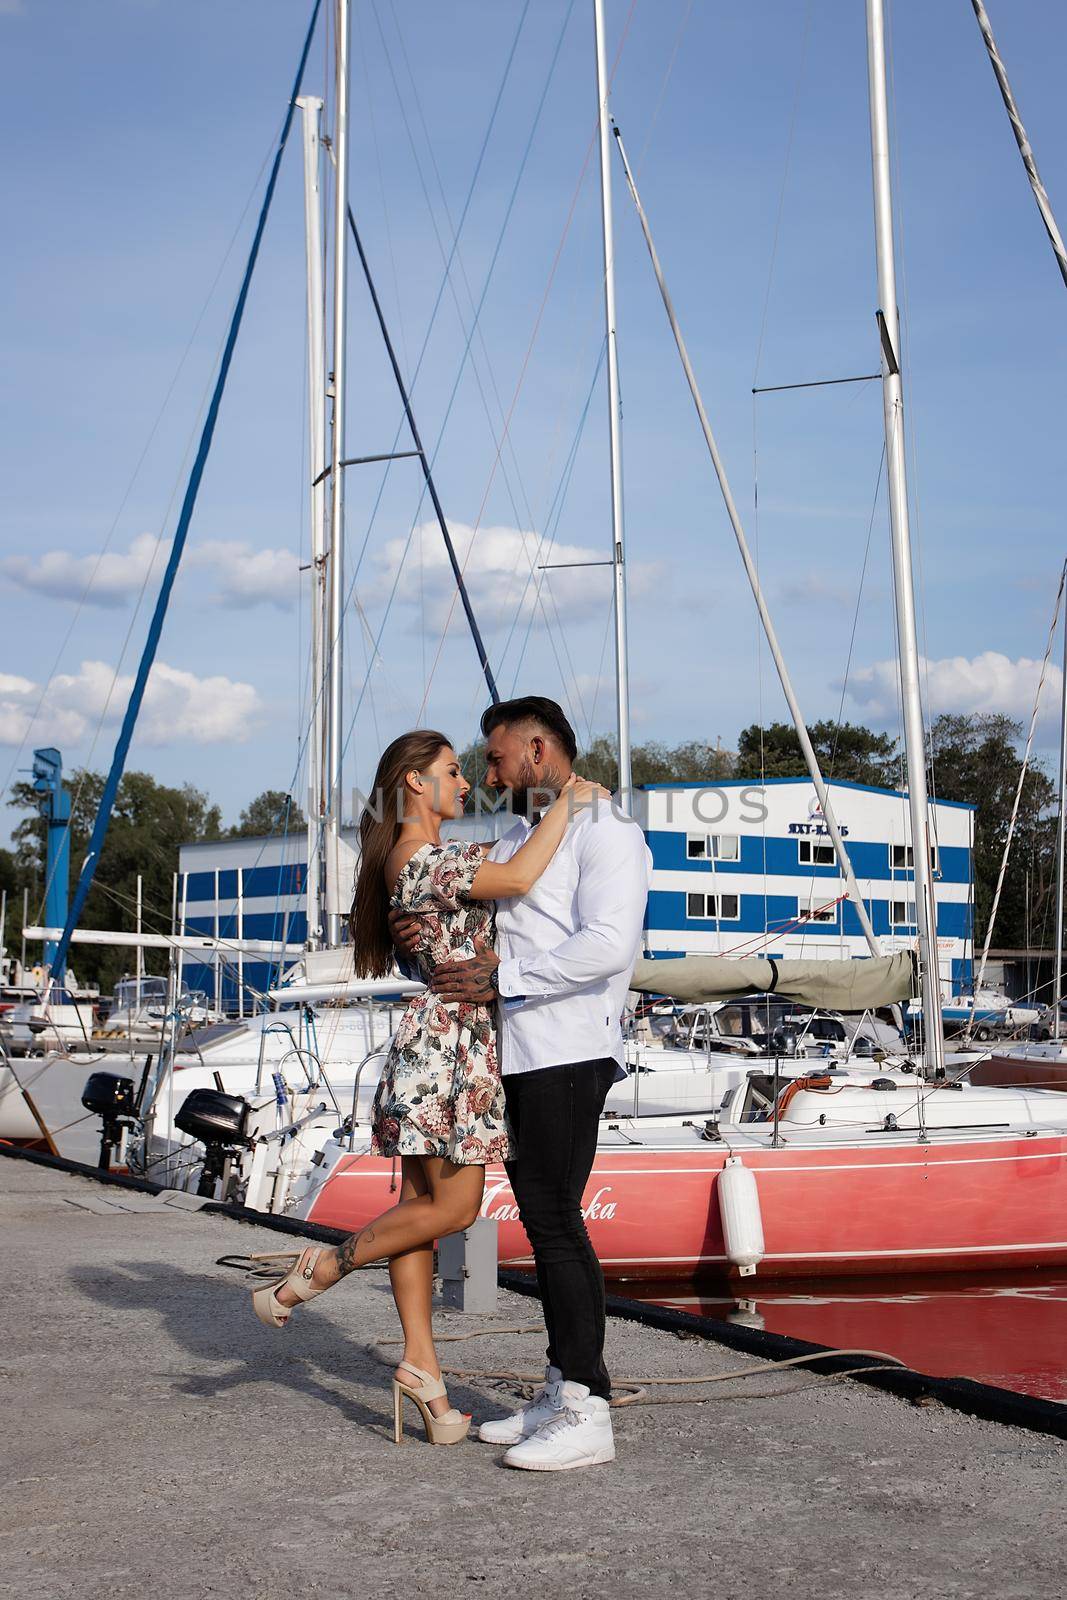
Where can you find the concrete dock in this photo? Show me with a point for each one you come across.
(158, 1440)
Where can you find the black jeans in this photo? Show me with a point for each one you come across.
(554, 1115)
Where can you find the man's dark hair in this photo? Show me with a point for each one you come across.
(532, 708)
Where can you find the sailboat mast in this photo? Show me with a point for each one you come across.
(903, 580)
(1061, 839)
(803, 736)
(618, 562)
(311, 109)
(335, 588)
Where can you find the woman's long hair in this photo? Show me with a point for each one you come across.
(379, 829)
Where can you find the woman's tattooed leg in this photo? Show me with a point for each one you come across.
(345, 1255)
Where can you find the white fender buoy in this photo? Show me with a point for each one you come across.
(739, 1210)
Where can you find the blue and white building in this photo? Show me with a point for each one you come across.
(739, 868)
(243, 889)
(743, 868)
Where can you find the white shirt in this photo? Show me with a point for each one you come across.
(568, 947)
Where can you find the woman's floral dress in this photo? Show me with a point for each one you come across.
(440, 1093)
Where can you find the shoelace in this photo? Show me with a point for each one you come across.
(567, 1418)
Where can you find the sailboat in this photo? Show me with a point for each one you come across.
(843, 1169)
(816, 1169)
(1042, 1061)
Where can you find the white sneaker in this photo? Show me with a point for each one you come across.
(521, 1424)
(579, 1435)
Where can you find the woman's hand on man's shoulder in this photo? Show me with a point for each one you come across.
(404, 932)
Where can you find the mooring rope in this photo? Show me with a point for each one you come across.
(635, 1389)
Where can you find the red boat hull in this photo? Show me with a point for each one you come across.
(940, 1207)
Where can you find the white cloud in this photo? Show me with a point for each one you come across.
(496, 564)
(243, 575)
(177, 706)
(989, 682)
(107, 580)
(247, 576)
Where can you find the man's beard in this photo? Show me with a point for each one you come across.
(534, 791)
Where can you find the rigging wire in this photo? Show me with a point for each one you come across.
(85, 768)
(460, 264)
(351, 597)
(382, 191)
(83, 598)
(904, 320)
(466, 351)
(475, 326)
(549, 539)
(1023, 770)
(661, 97)
(444, 283)
(530, 520)
(185, 517)
(1044, 204)
(469, 339)
(598, 682)
(790, 137)
(779, 212)
(84, 772)
(534, 334)
(546, 542)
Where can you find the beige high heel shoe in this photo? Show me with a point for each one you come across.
(265, 1303)
(450, 1428)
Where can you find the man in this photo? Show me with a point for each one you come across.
(564, 956)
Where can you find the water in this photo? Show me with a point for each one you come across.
(1008, 1329)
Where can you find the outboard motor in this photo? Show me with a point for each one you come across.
(218, 1121)
(110, 1097)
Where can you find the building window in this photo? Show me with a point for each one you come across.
(902, 913)
(813, 854)
(713, 907)
(713, 846)
(901, 858)
(821, 913)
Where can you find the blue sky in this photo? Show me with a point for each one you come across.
(137, 135)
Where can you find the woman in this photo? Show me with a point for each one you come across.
(440, 1104)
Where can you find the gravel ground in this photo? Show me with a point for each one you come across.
(159, 1440)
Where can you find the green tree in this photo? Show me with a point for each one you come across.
(846, 750)
(976, 759)
(11, 884)
(692, 761)
(272, 812)
(472, 762)
(148, 823)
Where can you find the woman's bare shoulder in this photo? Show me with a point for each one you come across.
(399, 856)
